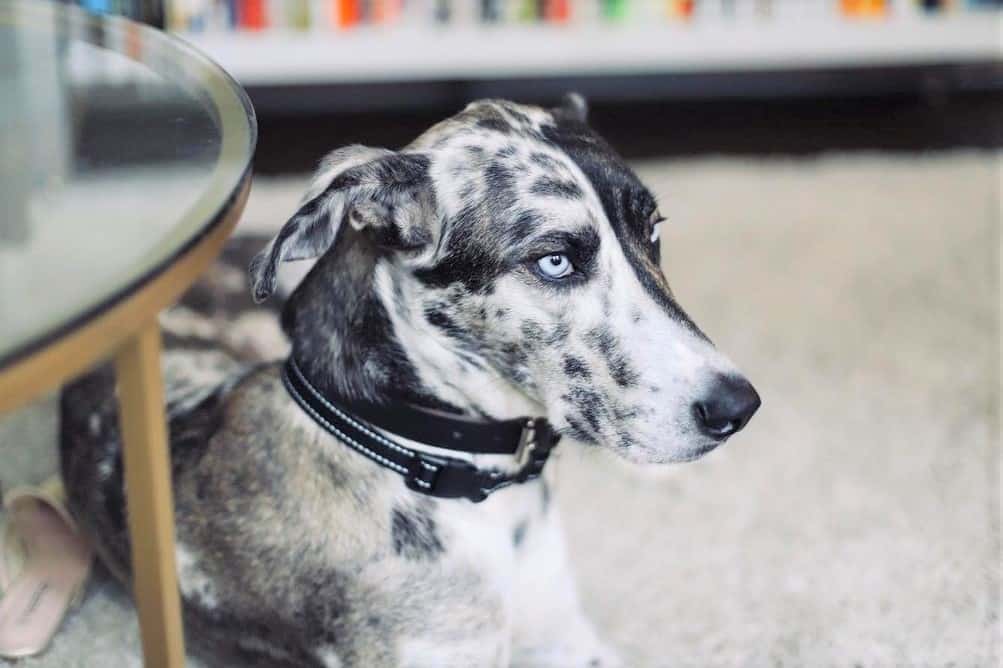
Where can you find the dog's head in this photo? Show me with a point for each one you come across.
(518, 254)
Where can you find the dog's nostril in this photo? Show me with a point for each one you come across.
(728, 407)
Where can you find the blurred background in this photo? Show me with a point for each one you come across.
(664, 77)
(831, 174)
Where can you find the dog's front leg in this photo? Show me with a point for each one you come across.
(549, 626)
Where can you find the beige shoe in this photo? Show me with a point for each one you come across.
(11, 556)
(44, 564)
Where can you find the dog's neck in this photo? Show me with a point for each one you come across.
(347, 342)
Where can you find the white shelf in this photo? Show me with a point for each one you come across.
(476, 52)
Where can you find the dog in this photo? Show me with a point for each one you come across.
(504, 264)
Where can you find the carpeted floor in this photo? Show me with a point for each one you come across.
(857, 520)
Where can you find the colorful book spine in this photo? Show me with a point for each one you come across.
(387, 11)
(443, 12)
(526, 11)
(347, 13)
(615, 10)
(98, 6)
(934, 6)
(681, 9)
(297, 14)
(335, 15)
(492, 11)
(557, 11)
(864, 8)
(252, 15)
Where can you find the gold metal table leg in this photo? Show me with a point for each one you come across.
(150, 499)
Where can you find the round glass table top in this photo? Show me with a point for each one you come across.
(120, 148)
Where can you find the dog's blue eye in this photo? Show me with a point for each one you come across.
(556, 265)
(656, 223)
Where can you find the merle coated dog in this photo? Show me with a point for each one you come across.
(504, 264)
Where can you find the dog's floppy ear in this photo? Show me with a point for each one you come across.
(385, 192)
(573, 107)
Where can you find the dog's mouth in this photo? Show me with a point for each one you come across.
(647, 456)
(699, 451)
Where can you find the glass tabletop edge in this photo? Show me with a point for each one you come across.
(67, 328)
(118, 296)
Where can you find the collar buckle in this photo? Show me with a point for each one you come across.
(445, 478)
(527, 443)
(535, 444)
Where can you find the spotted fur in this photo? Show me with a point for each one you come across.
(425, 287)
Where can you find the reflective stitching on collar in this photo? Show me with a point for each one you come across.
(347, 418)
(349, 440)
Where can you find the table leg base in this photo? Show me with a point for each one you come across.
(150, 499)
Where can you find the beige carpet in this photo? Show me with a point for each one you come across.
(857, 521)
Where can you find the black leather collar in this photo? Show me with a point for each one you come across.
(529, 440)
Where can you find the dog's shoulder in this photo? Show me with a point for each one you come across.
(240, 422)
(266, 468)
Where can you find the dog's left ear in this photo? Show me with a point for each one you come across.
(385, 193)
(573, 107)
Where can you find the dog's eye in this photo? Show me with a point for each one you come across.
(656, 223)
(556, 265)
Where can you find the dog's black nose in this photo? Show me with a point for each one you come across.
(727, 408)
